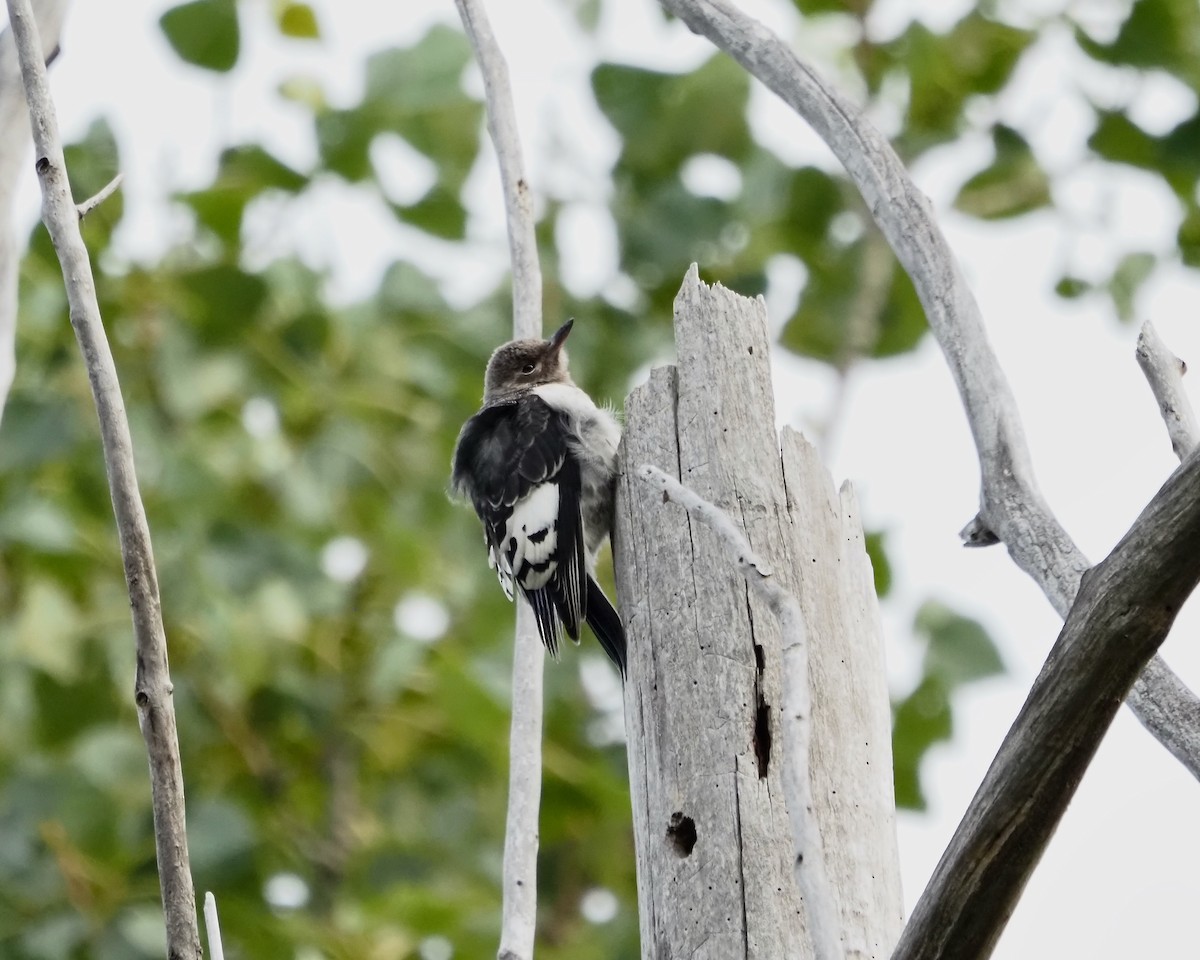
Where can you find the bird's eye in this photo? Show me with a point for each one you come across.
(528, 368)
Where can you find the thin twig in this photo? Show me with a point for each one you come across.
(519, 910)
(1012, 508)
(1164, 371)
(152, 690)
(808, 848)
(14, 134)
(212, 925)
(91, 203)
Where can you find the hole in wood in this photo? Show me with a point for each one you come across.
(762, 737)
(681, 831)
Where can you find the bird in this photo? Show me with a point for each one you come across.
(538, 462)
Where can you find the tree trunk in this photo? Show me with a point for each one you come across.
(717, 872)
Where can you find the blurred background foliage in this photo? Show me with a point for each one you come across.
(340, 651)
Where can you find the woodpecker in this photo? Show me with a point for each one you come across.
(538, 464)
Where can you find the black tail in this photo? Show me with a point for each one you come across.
(606, 624)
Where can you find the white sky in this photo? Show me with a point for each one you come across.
(1119, 878)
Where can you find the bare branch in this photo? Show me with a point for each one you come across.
(518, 201)
(808, 849)
(14, 134)
(518, 924)
(1164, 371)
(1012, 508)
(1124, 610)
(216, 950)
(156, 711)
(1173, 719)
(91, 203)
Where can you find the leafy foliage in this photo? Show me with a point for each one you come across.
(321, 738)
(340, 651)
(958, 651)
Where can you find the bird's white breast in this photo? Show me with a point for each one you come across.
(597, 430)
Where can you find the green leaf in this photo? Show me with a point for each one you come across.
(827, 324)
(1157, 34)
(656, 114)
(1072, 288)
(1127, 279)
(305, 90)
(417, 94)
(976, 56)
(1188, 237)
(1175, 156)
(902, 321)
(958, 649)
(668, 228)
(256, 169)
(1181, 157)
(1014, 183)
(224, 301)
(1120, 140)
(439, 212)
(424, 76)
(816, 7)
(70, 700)
(344, 137)
(245, 173)
(297, 20)
(35, 431)
(919, 721)
(882, 567)
(406, 289)
(204, 33)
(814, 198)
(587, 13)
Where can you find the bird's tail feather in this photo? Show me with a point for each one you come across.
(547, 622)
(605, 622)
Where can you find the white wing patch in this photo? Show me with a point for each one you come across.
(506, 580)
(529, 551)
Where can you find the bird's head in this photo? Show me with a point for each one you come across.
(520, 365)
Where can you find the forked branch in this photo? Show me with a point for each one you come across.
(1012, 508)
(1123, 612)
(152, 685)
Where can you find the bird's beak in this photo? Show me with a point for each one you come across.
(559, 337)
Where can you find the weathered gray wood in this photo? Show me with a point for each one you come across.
(1124, 610)
(1012, 508)
(704, 700)
(851, 753)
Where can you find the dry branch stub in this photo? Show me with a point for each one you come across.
(708, 734)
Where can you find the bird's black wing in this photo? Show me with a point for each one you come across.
(515, 464)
